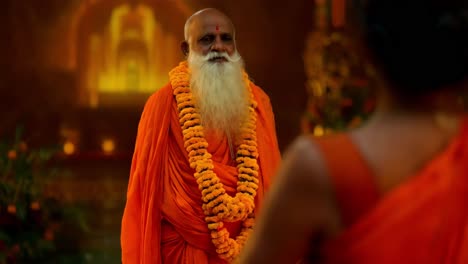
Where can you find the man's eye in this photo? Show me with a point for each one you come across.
(227, 38)
(206, 39)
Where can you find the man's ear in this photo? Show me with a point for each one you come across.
(184, 46)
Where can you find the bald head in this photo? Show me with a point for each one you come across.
(202, 16)
(209, 30)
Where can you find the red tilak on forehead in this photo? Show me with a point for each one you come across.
(217, 27)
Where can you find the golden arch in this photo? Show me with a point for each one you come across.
(119, 48)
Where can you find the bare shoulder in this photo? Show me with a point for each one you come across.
(307, 162)
(304, 177)
(297, 209)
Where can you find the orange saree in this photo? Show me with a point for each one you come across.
(424, 220)
(163, 221)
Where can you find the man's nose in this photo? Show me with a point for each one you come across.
(218, 45)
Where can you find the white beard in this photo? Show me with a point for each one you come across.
(219, 91)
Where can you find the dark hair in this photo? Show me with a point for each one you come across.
(421, 46)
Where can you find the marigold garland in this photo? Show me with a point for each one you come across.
(218, 206)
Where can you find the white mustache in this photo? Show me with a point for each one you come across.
(214, 54)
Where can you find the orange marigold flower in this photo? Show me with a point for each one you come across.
(35, 206)
(49, 235)
(217, 205)
(12, 154)
(22, 146)
(11, 209)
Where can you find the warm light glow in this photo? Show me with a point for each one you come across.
(108, 146)
(69, 148)
(102, 51)
(130, 70)
(319, 131)
(316, 87)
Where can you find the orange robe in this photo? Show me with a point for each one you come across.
(163, 221)
(424, 220)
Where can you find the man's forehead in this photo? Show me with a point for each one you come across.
(212, 23)
(216, 27)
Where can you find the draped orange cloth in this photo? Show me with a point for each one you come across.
(424, 220)
(163, 221)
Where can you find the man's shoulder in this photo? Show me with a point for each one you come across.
(161, 93)
(159, 97)
(259, 92)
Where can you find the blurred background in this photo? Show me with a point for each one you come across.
(75, 75)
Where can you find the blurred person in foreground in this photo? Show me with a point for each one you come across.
(396, 189)
(205, 151)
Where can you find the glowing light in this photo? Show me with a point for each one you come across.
(69, 148)
(319, 131)
(317, 88)
(130, 57)
(123, 64)
(108, 146)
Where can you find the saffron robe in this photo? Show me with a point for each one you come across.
(163, 221)
(424, 220)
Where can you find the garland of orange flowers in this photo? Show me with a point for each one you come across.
(218, 206)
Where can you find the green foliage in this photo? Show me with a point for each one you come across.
(32, 223)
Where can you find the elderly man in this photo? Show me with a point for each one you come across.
(205, 152)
